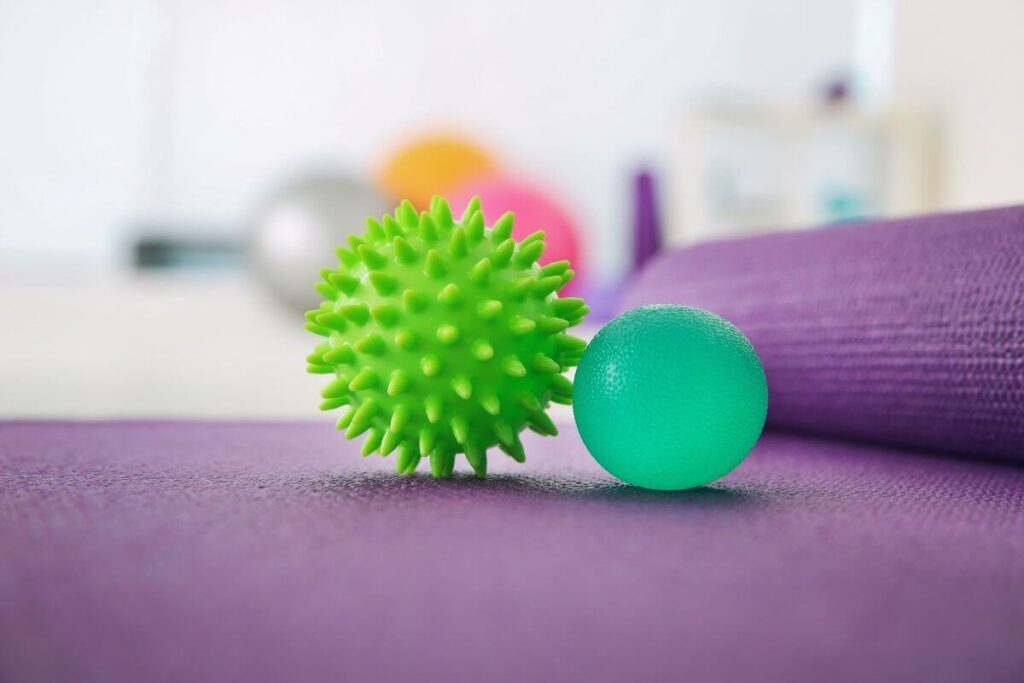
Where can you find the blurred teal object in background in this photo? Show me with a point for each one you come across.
(844, 206)
(165, 250)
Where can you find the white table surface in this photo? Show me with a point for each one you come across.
(176, 345)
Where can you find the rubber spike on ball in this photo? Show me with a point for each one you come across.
(444, 336)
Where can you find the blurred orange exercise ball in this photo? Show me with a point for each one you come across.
(433, 165)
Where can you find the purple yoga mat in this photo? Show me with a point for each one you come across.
(908, 332)
(176, 551)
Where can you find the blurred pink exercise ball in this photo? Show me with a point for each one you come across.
(534, 210)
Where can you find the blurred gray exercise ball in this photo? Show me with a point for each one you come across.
(297, 228)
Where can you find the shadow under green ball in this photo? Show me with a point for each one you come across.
(670, 397)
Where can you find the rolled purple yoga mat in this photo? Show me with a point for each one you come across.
(908, 332)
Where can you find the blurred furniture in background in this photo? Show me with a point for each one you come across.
(741, 170)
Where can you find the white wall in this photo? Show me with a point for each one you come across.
(966, 59)
(184, 111)
(71, 119)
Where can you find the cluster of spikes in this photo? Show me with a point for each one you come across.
(444, 336)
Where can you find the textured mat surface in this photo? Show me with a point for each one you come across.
(908, 332)
(194, 552)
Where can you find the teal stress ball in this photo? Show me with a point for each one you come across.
(669, 397)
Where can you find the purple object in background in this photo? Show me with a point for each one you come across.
(646, 223)
(908, 332)
(177, 551)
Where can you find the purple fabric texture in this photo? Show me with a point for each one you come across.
(177, 551)
(907, 332)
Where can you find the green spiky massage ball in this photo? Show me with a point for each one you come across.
(444, 337)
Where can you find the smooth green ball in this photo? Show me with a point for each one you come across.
(670, 397)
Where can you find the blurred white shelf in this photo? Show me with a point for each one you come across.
(744, 170)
